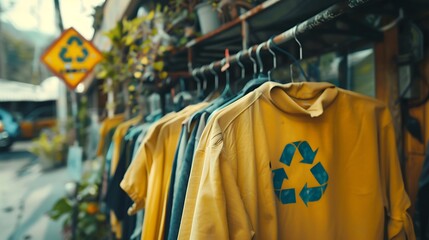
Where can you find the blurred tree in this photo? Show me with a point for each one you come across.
(18, 56)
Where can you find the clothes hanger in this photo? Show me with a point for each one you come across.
(185, 96)
(300, 52)
(255, 66)
(227, 91)
(154, 106)
(198, 81)
(243, 69)
(194, 73)
(224, 96)
(259, 58)
(251, 85)
(274, 58)
(291, 57)
(257, 80)
(204, 87)
(210, 95)
(211, 68)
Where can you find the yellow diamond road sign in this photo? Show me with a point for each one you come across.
(71, 57)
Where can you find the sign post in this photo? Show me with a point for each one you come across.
(71, 57)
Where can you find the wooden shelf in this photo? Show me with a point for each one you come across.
(274, 17)
(265, 20)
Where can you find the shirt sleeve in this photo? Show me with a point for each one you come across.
(135, 181)
(101, 143)
(219, 209)
(399, 225)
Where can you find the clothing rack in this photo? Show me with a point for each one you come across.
(319, 19)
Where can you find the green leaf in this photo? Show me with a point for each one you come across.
(102, 74)
(61, 207)
(158, 66)
(158, 7)
(127, 25)
(147, 41)
(130, 62)
(138, 21)
(146, 49)
(129, 40)
(163, 75)
(151, 15)
(90, 229)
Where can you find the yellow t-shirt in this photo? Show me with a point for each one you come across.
(141, 163)
(105, 127)
(297, 161)
(147, 179)
(118, 137)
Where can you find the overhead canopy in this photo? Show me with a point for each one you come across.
(12, 91)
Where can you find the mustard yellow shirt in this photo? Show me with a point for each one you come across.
(105, 127)
(297, 161)
(118, 137)
(147, 179)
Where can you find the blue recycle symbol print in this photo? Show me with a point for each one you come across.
(79, 42)
(307, 194)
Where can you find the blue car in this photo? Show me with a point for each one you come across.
(9, 129)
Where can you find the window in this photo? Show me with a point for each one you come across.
(41, 113)
(354, 71)
(361, 72)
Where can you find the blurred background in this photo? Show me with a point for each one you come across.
(29, 97)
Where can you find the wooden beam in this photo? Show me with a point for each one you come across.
(387, 81)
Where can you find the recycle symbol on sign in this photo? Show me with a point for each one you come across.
(307, 194)
(64, 50)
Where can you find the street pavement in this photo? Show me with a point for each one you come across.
(26, 194)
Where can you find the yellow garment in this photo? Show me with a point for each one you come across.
(105, 127)
(147, 179)
(338, 155)
(117, 139)
(143, 158)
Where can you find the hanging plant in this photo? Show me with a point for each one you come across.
(137, 51)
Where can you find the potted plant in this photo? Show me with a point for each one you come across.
(50, 148)
(204, 11)
(208, 16)
(91, 222)
(137, 49)
(212, 13)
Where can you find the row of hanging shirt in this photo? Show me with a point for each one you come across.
(119, 142)
(275, 161)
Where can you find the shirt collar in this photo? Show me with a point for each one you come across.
(286, 97)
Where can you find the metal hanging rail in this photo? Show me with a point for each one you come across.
(319, 19)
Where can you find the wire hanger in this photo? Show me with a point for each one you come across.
(258, 57)
(300, 52)
(198, 81)
(208, 94)
(299, 43)
(204, 85)
(211, 68)
(243, 69)
(291, 57)
(274, 58)
(255, 66)
(204, 77)
(227, 90)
